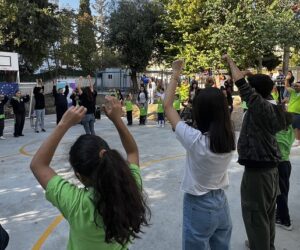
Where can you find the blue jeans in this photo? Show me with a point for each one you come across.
(88, 123)
(206, 222)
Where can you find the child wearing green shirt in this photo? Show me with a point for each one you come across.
(176, 104)
(160, 113)
(110, 211)
(143, 113)
(129, 107)
(285, 139)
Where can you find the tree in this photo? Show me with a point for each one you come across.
(67, 44)
(133, 31)
(28, 28)
(200, 31)
(87, 50)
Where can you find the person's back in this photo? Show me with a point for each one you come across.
(264, 118)
(77, 206)
(110, 211)
(209, 149)
(259, 153)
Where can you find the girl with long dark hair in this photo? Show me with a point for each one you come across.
(206, 217)
(111, 210)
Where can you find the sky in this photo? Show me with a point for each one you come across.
(73, 3)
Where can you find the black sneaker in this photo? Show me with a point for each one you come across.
(43, 130)
(37, 131)
(286, 226)
(21, 135)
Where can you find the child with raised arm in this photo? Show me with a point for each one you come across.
(259, 153)
(110, 211)
(209, 148)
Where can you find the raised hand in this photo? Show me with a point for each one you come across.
(225, 57)
(113, 108)
(73, 116)
(177, 66)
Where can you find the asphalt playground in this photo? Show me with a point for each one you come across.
(33, 223)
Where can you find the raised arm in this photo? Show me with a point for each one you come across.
(237, 74)
(238, 77)
(113, 110)
(287, 84)
(80, 85)
(54, 90)
(91, 85)
(66, 90)
(40, 164)
(170, 112)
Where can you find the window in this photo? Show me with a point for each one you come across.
(109, 76)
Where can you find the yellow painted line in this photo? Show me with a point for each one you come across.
(23, 151)
(58, 219)
(48, 231)
(148, 163)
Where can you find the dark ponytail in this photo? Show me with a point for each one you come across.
(118, 199)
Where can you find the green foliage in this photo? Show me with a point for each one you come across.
(28, 28)
(67, 47)
(132, 31)
(200, 31)
(87, 50)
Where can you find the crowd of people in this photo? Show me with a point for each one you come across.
(111, 210)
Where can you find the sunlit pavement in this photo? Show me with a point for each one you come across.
(33, 223)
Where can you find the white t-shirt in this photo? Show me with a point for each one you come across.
(142, 97)
(204, 170)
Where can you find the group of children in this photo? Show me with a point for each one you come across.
(143, 107)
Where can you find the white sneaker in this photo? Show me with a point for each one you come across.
(162, 125)
(2, 138)
(158, 125)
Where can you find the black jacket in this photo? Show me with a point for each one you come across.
(257, 145)
(2, 103)
(18, 104)
(88, 104)
(39, 98)
(61, 101)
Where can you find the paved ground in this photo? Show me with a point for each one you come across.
(34, 224)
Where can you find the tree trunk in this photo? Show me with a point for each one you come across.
(134, 80)
(259, 66)
(286, 59)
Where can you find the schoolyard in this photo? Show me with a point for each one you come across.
(33, 223)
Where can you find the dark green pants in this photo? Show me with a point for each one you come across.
(259, 190)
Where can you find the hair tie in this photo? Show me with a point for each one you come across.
(102, 152)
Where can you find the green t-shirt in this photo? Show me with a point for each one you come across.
(77, 207)
(275, 96)
(160, 107)
(176, 104)
(285, 139)
(143, 111)
(244, 105)
(294, 102)
(128, 105)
